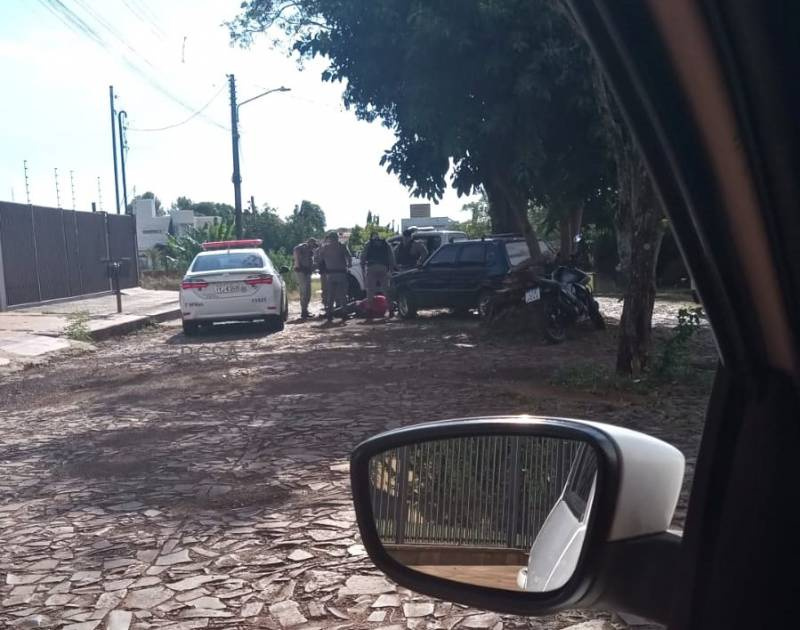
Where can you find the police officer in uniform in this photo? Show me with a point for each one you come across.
(410, 253)
(376, 261)
(336, 260)
(303, 255)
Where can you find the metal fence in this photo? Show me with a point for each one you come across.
(51, 253)
(479, 491)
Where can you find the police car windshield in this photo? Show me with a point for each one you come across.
(228, 260)
(517, 252)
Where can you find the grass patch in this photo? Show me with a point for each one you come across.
(161, 280)
(77, 327)
(598, 379)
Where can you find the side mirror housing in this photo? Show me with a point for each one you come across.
(522, 515)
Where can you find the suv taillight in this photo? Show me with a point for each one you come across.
(260, 280)
(194, 284)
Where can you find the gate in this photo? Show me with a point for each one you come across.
(51, 253)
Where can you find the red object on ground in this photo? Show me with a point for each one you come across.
(248, 242)
(377, 307)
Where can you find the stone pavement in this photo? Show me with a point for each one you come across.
(31, 335)
(171, 483)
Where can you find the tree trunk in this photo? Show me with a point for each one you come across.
(640, 230)
(569, 227)
(508, 210)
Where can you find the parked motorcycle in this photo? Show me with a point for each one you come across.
(560, 300)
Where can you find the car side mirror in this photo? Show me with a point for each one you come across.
(283, 269)
(522, 515)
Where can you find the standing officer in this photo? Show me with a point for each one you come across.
(336, 260)
(303, 255)
(410, 253)
(376, 261)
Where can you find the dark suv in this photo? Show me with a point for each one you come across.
(460, 275)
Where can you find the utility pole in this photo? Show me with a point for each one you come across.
(27, 181)
(237, 176)
(252, 204)
(123, 145)
(114, 141)
(72, 187)
(58, 192)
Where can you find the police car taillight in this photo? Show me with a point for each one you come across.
(194, 284)
(249, 242)
(265, 279)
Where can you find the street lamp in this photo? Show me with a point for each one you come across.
(237, 176)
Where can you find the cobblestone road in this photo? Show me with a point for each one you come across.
(162, 482)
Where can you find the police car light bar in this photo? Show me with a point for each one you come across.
(250, 242)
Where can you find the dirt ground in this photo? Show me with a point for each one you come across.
(168, 482)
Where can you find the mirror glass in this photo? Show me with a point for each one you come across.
(501, 511)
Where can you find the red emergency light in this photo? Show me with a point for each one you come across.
(249, 242)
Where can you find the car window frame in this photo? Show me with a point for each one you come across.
(431, 262)
(463, 246)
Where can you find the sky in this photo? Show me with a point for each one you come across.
(168, 59)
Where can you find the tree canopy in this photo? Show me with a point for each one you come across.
(499, 92)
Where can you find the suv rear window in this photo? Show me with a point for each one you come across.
(228, 260)
(518, 252)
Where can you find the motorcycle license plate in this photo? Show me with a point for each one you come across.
(531, 295)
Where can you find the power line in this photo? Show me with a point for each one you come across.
(145, 19)
(76, 23)
(183, 122)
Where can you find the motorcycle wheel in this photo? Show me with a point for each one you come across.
(555, 329)
(596, 316)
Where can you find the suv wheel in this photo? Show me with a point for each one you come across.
(190, 328)
(485, 305)
(405, 306)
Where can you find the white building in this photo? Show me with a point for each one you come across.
(152, 230)
(184, 220)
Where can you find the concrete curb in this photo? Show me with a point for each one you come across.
(122, 324)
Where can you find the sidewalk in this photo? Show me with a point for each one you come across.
(28, 334)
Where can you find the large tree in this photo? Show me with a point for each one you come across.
(477, 87)
(639, 224)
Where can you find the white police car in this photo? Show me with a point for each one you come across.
(233, 281)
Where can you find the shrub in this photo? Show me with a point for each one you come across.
(77, 327)
(673, 360)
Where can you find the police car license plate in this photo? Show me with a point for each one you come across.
(531, 295)
(228, 288)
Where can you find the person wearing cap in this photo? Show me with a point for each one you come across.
(335, 259)
(376, 261)
(303, 255)
(410, 253)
